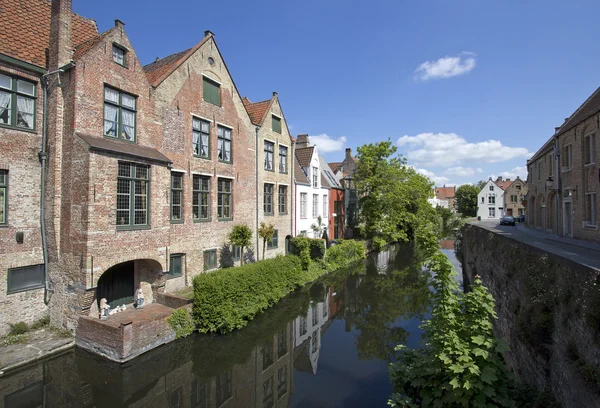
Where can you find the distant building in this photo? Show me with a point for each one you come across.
(514, 196)
(446, 194)
(336, 201)
(344, 172)
(490, 200)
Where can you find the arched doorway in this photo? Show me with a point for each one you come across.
(117, 285)
(288, 243)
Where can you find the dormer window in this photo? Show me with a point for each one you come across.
(119, 54)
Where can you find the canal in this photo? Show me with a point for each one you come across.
(327, 345)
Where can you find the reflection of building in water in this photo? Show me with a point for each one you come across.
(447, 244)
(177, 375)
(308, 330)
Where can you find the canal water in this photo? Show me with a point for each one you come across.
(327, 345)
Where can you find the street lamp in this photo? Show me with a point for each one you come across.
(550, 183)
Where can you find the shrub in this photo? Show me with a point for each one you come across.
(181, 321)
(344, 254)
(300, 246)
(18, 328)
(43, 322)
(315, 248)
(225, 300)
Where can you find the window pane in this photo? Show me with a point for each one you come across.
(27, 278)
(118, 55)
(111, 115)
(26, 87)
(5, 107)
(128, 101)
(111, 95)
(176, 265)
(5, 81)
(276, 124)
(2, 205)
(196, 124)
(128, 118)
(25, 111)
(123, 201)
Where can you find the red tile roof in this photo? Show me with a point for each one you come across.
(335, 166)
(258, 110)
(503, 184)
(161, 68)
(443, 193)
(304, 155)
(25, 30)
(84, 47)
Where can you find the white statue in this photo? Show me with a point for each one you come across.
(139, 297)
(104, 309)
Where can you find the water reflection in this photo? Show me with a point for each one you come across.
(325, 345)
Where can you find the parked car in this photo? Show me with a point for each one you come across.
(520, 218)
(507, 220)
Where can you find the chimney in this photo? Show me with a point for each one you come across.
(119, 23)
(348, 153)
(274, 93)
(61, 45)
(302, 141)
(208, 32)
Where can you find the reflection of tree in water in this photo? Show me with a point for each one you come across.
(376, 301)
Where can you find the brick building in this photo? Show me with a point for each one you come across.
(514, 196)
(447, 194)
(336, 226)
(344, 172)
(275, 153)
(563, 177)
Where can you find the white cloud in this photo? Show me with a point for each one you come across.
(479, 170)
(327, 144)
(461, 171)
(446, 67)
(449, 149)
(438, 180)
(512, 174)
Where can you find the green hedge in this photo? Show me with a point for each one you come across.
(316, 247)
(226, 299)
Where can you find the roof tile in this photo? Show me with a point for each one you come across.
(257, 110)
(304, 155)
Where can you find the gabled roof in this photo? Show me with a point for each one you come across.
(444, 192)
(503, 184)
(324, 182)
(328, 174)
(258, 110)
(299, 175)
(304, 155)
(335, 166)
(85, 46)
(163, 67)
(25, 30)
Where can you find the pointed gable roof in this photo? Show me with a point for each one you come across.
(299, 176)
(25, 30)
(85, 46)
(328, 174)
(304, 155)
(258, 110)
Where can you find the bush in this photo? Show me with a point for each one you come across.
(344, 254)
(300, 246)
(315, 248)
(18, 328)
(181, 321)
(43, 322)
(225, 300)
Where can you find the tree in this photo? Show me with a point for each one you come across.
(393, 202)
(466, 200)
(480, 185)
(266, 232)
(241, 235)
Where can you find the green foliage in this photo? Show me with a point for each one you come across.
(266, 232)
(466, 200)
(18, 328)
(226, 257)
(461, 364)
(181, 321)
(345, 253)
(393, 197)
(41, 323)
(13, 339)
(307, 249)
(241, 235)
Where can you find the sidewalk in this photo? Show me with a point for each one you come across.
(583, 252)
(39, 344)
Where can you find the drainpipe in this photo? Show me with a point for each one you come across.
(256, 154)
(43, 156)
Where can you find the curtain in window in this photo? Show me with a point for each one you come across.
(4, 107)
(111, 95)
(111, 116)
(128, 124)
(25, 112)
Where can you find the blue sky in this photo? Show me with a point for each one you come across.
(468, 88)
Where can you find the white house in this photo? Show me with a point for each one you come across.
(308, 328)
(490, 201)
(436, 202)
(311, 197)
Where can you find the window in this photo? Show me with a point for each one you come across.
(276, 123)
(315, 316)
(518, 187)
(590, 209)
(201, 138)
(236, 252)
(17, 102)
(223, 392)
(282, 343)
(119, 114)
(175, 398)
(491, 188)
(303, 326)
(175, 265)
(325, 202)
(176, 197)
(224, 144)
(281, 382)
(274, 242)
(513, 198)
(211, 91)
(267, 356)
(589, 148)
(492, 212)
(132, 195)
(3, 196)
(491, 199)
(314, 343)
(315, 206)
(567, 158)
(25, 278)
(201, 198)
(268, 199)
(199, 395)
(315, 177)
(224, 200)
(118, 54)
(268, 401)
(303, 197)
(324, 311)
(210, 259)
(269, 149)
(282, 199)
(283, 159)
(482, 200)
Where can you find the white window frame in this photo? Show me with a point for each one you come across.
(325, 202)
(492, 212)
(491, 188)
(303, 204)
(315, 206)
